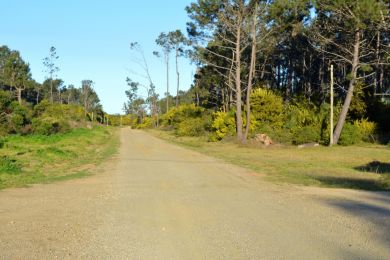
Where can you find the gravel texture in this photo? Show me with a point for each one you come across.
(155, 200)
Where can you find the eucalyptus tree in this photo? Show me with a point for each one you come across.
(177, 42)
(140, 59)
(152, 100)
(90, 99)
(166, 47)
(51, 69)
(129, 106)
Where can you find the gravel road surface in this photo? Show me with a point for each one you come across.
(155, 200)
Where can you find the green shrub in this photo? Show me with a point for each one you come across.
(350, 135)
(41, 107)
(367, 129)
(224, 124)
(60, 111)
(5, 100)
(191, 127)
(19, 117)
(301, 114)
(49, 125)
(278, 135)
(267, 107)
(146, 123)
(16, 123)
(306, 134)
(181, 113)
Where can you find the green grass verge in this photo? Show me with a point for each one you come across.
(355, 167)
(33, 159)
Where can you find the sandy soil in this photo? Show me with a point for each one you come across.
(159, 201)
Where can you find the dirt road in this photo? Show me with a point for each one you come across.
(159, 201)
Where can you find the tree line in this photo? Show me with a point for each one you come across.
(20, 92)
(286, 47)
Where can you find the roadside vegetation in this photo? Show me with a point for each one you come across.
(267, 68)
(46, 158)
(365, 167)
(270, 76)
(48, 131)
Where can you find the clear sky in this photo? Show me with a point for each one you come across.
(92, 39)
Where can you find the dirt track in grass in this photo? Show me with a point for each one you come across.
(155, 200)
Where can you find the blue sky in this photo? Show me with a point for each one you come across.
(92, 38)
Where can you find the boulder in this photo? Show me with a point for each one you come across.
(263, 138)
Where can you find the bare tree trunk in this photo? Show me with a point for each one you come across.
(381, 78)
(51, 91)
(238, 85)
(197, 93)
(348, 98)
(37, 99)
(224, 107)
(230, 84)
(178, 77)
(263, 68)
(377, 74)
(19, 90)
(251, 76)
(167, 64)
(60, 96)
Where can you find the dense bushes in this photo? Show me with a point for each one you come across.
(13, 116)
(181, 113)
(306, 134)
(294, 122)
(191, 127)
(44, 118)
(49, 125)
(60, 111)
(350, 135)
(146, 122)
(367, 130)
(224, 124)
(267, 107)
(187, 120)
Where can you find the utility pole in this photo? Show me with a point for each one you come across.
(331, 105)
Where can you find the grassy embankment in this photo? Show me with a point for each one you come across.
(356, 167)
(42, 159)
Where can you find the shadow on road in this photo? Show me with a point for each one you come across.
(353, 183)
(372, 207)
